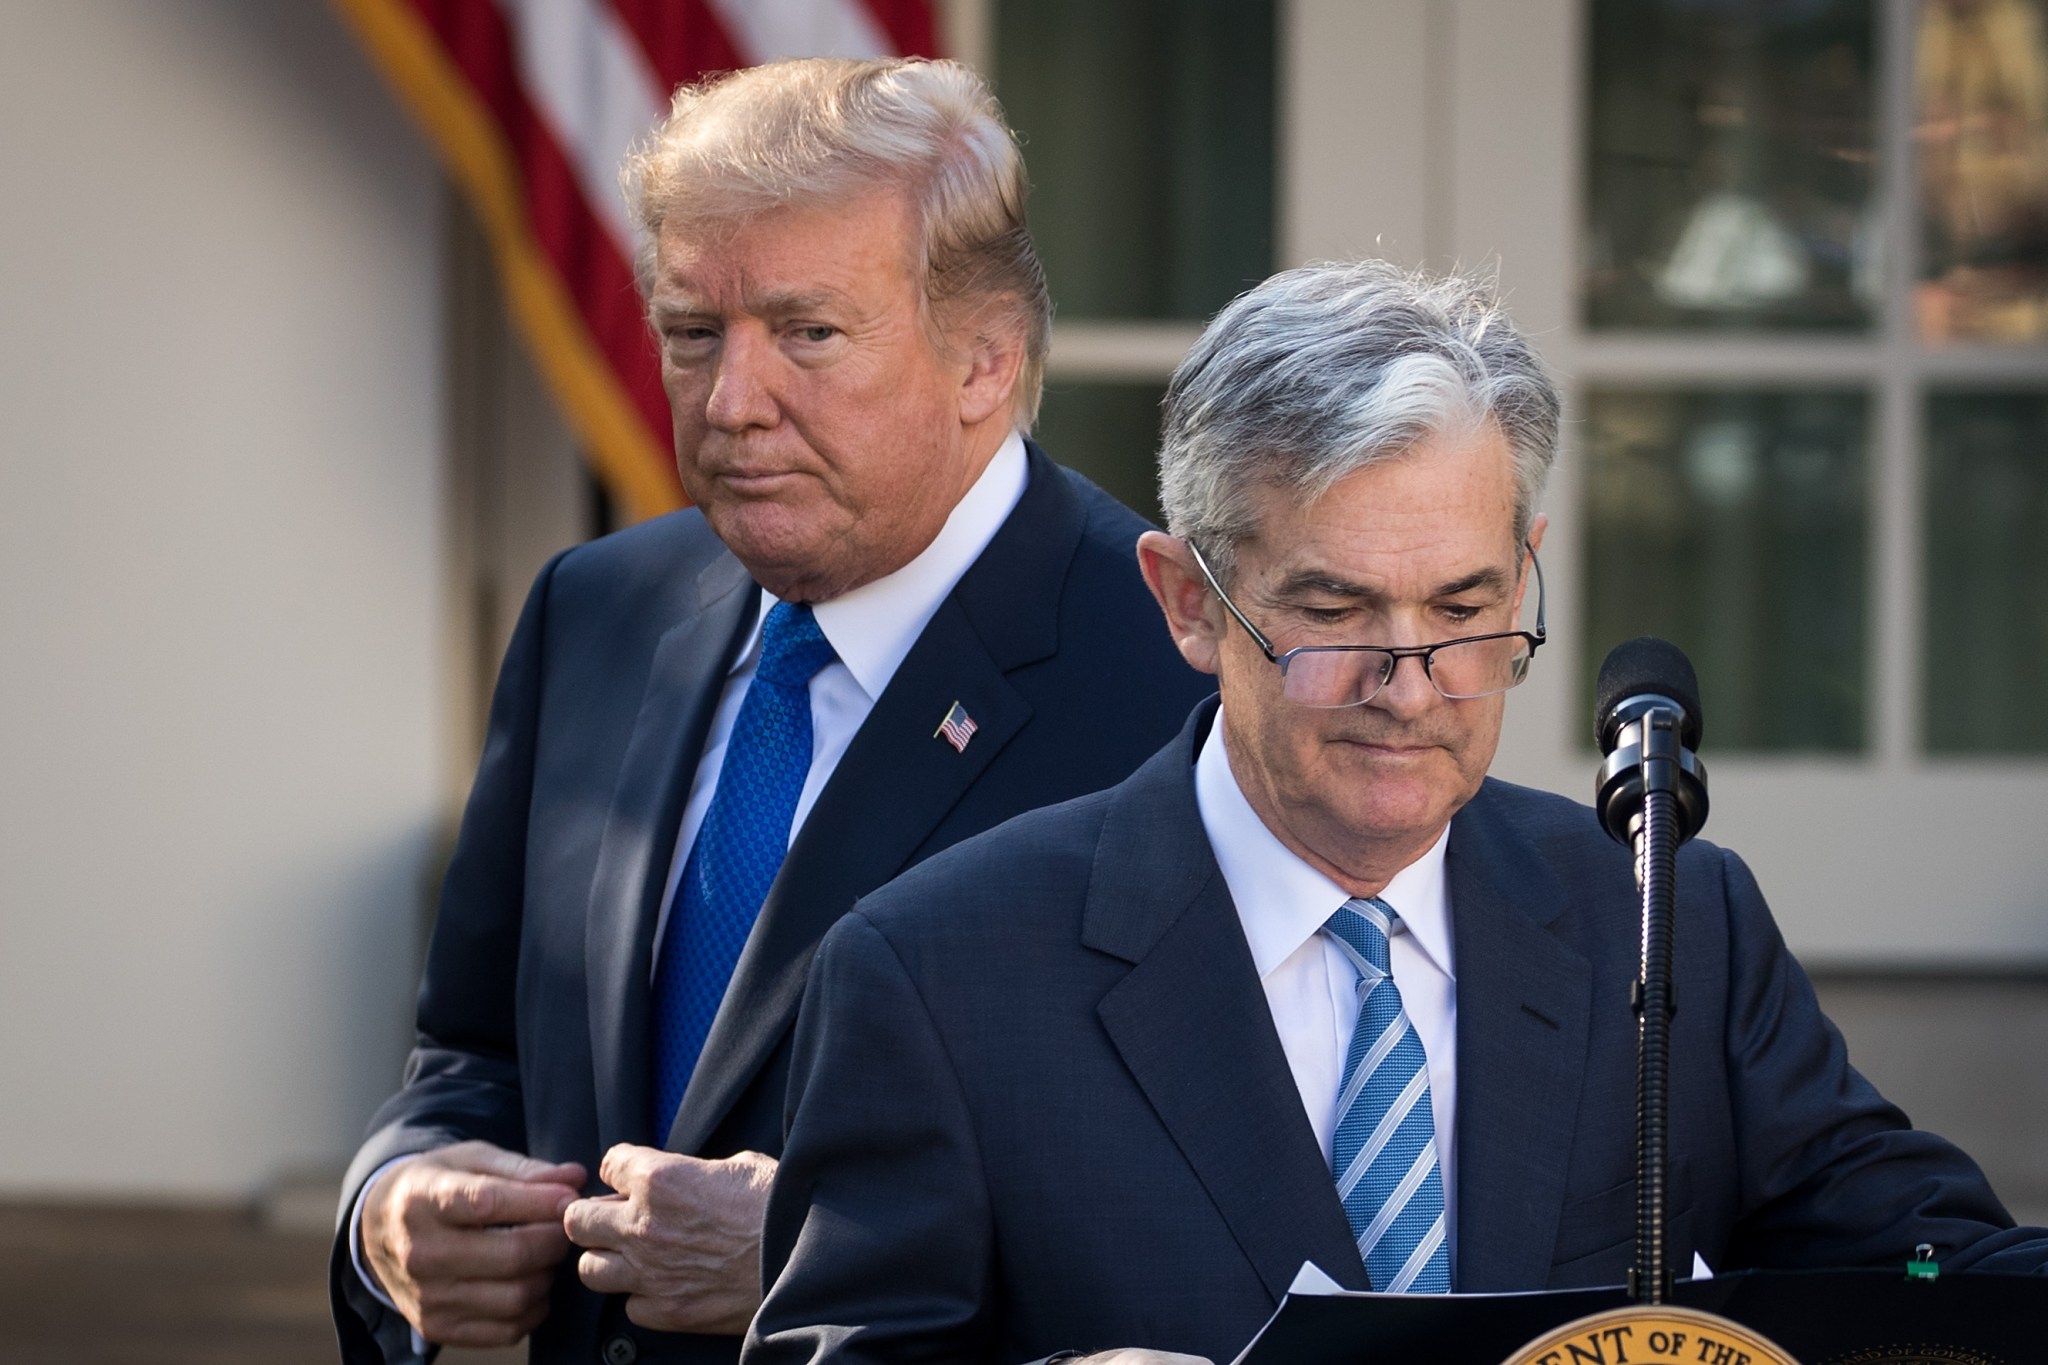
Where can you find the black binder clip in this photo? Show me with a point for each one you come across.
(1922, 1266)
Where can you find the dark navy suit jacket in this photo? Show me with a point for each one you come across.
(1038, 1102)
(534, 1011)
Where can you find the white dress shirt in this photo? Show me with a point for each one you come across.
(1310, 984)
(872, 630)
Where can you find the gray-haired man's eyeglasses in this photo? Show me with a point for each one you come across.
(1352, 675)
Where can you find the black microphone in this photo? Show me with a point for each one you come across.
(1647, 722)
(1652, 796)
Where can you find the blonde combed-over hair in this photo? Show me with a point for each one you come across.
(824, 131)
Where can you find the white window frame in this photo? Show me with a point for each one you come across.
(1450, 133)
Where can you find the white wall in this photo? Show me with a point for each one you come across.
(220, 693)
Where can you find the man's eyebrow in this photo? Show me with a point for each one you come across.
(782, 303)
(1471, 582)
(1304, 582)
(668, 307)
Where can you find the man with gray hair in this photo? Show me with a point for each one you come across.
(1310, 986)
(888, 623)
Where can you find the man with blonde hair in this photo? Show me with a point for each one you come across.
(888, 623)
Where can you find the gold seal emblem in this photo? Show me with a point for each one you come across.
(1646, 1335)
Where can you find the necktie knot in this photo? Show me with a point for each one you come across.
(793, 649)
(1364, 925)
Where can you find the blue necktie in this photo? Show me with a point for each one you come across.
(739, 848)
(1384, 1151)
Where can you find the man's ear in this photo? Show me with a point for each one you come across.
(1194, 617)
(994, 360)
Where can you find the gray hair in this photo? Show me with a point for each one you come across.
(1323, 370)
(826, 131)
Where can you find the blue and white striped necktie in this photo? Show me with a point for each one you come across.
(1384, 1151)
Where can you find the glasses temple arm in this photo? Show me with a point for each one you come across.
(1265, 646)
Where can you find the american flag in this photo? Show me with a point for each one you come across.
(957, 728)
(532, 105)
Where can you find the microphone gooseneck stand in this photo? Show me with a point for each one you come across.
(1653, 796)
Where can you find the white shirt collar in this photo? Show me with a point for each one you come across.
(873, 627)
(1282, 901)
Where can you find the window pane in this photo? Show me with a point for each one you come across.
(1148, 128)
(1987, 573)
(1982, 82)
(1730, 172)
(1110, 432)
(1734, 525)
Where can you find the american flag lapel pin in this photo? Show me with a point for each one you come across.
(957, 728)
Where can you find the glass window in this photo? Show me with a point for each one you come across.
(1730, 176)
(1732, 523)
(1108, 431)
(1981, 83)
(1986, 500)
(1148, 128)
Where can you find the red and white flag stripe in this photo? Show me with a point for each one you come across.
(533, 105)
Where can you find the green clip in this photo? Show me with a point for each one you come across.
(1922, 1266)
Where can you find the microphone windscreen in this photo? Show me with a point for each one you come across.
(1640, 667)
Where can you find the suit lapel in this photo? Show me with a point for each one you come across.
(896, 784)
(684, 683)
(1524, 1006)
(1192, 1023)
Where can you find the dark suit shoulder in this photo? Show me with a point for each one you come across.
(1569, 836)
(1539, 814)
(1028, 876)
(1107, 553)
(602, 608)
(1105, 520)
(1108, 620)
(652, 557)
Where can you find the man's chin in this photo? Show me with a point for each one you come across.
(1425, 767)
(1403, 791)
(1395, 755)
(774, 540)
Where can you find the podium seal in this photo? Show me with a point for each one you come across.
(1651, 1335)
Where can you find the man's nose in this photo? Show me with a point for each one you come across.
(1408, 691)
(741, 393)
